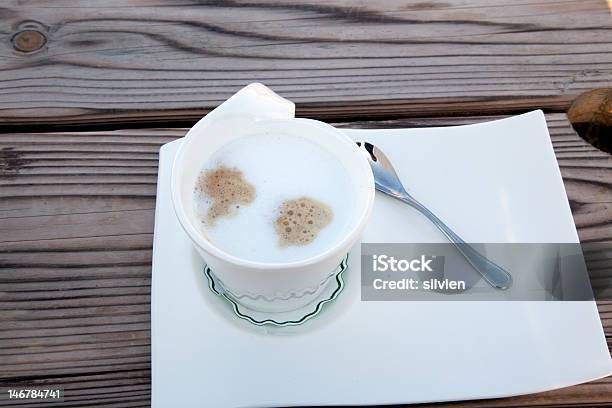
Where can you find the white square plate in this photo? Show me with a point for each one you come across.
(492, 182)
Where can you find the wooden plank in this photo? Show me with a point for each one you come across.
(75, 262)
(156, 61)
(122, 388)
(134, 386)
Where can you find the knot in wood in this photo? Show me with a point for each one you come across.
(29, 40)
(591, 117)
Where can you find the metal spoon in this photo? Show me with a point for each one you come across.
(388, 182)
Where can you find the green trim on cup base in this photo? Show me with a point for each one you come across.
(306, 313)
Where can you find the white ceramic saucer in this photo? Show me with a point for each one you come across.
(492, 182)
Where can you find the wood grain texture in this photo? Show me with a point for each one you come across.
(155, 61)
(76, 225)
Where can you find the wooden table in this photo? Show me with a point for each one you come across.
(89, 91)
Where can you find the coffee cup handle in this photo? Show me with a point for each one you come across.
(258, 101)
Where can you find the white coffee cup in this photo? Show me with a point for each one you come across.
(274, 287)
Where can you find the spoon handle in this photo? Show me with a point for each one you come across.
(494, 274)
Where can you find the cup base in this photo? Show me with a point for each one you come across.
(328, 293)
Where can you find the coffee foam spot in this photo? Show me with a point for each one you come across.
(300, 221)
(225, 189)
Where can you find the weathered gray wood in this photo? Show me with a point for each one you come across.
(115, 62)
(75, 257)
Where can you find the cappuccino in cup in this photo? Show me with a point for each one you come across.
(274, 198)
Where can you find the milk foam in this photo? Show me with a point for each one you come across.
(280, 168)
